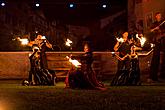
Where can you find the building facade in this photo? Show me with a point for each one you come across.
(141, 13)
(18, 19)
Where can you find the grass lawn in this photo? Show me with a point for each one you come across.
(14, 96)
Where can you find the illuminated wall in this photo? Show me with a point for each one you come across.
(16, 65)
(146, 9)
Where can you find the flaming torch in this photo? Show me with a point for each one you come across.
(76, 63)
(43, 37)
(152, 45)
(120, 40)
(68, 42)
(23, 41)
(142, 39)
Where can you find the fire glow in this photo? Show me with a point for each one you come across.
(68, 42)
(23, 41)
(142, 40)
(120, 39)
(43, 37)
(76, 63)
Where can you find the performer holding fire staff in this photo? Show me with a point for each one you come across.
(39, 73)
(158, 38)
(123, 48)
(84, 77)
(42, 43)
(128, 71)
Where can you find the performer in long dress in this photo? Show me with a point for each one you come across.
(39, 73)
(123, 48)
(85, 77)
(42, 43)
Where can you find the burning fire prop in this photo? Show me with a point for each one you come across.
(23, 41)
(43, 38)
(120, 40)
(142, 39)
(68, 42)
(76, 63)
(134, 48)
(152, 45)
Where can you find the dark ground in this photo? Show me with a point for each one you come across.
(14, 96)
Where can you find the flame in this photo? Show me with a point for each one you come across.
(142, 40)
(76, 63)
(152, 45)
(120, 39)
(30, 54)
(68, 42)
(43, 37)
(24, 41)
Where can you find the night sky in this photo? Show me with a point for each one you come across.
(82, 12)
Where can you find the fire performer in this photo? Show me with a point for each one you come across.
(39, 73)
(134, 75)
(131, 77)
(158, 31)
(84, 77)
(34, 66)
(42, 43)
(123, 48)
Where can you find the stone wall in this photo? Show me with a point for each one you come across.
(16, 65)
(146, 10)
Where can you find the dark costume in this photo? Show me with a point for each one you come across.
(38, 74)
(128, 72)
(44, 63)
(134, 76)
(159, 41)
(123, 67)
(34, 66)
(84, 77)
